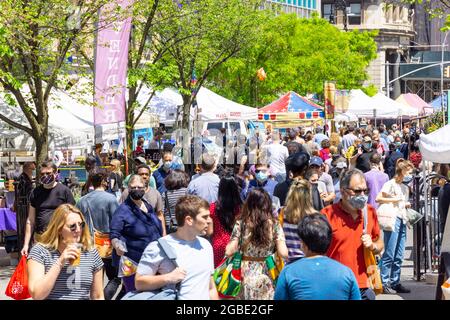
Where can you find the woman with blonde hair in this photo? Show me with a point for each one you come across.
(116, 179)
(298, 205)
(63, 264)
(396, 192)
(335, 139)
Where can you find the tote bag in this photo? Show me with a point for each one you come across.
(373, 272)
(18, 285)
(387, 216)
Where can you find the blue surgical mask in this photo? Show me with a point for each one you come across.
(167, 165)
(358, 201)
(261, 176)
(407, 179)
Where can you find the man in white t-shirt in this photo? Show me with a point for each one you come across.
(276, 155)
(194, 255)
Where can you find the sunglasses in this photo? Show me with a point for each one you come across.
(73, 227)
(359, 191)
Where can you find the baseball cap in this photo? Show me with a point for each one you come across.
(316, 161)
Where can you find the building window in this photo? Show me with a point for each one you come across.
(354, 13)
(328, 12)
(314, 4)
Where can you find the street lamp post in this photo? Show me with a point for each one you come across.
(442, 78)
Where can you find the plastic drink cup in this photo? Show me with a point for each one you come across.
(76, 262)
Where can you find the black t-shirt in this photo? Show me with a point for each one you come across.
(281, 191)
(363, 161)
(45, 201)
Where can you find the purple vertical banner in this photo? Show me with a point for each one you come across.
(111, 66)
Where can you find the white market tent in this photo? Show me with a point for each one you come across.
(211, 106)
(216, 107)
(391, 108)
(378, 106)
(435, 147)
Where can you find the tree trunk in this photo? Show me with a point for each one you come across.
(129, 119)
(187, 102)
(41, 140)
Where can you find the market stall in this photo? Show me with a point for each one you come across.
(290, 110)
(414, 101)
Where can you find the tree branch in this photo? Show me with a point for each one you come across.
(16, 125)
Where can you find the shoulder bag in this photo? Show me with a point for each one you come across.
(274, 262)
(165, 293)
(387, 215)
(227, 276)
(102, 240)
(372, 270)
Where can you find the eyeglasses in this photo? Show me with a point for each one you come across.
(46, 173)
(313, 180)
(359, 191)
(137, 188)
(73, 227)
(260, 170)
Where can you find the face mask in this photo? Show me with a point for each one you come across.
(137, 194)
(359, 201)
(167, 165)
(47, 180)
(261, 176)
(33, 173)
(367, 145)
(407, 179)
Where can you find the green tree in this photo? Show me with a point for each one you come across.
(212, 32)
(35, 41)
(297, 54)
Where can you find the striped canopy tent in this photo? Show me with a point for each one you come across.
(291, 107)
(413, 100)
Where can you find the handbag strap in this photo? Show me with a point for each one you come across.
(365, 220)
(171, 255)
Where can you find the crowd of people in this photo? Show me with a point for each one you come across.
(301, 196)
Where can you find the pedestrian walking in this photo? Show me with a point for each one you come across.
(194, 255)
(98, 208)
(396, 192)
(223, 214)
(44, 199)
(262, 235)
(298, 204)
(375, 179)
(316, 277)
(348, 242)
(206, 183)
(176, 183)
(115, 184)
(134, 225)
(64, 265)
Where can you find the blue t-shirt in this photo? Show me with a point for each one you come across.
(318, 278)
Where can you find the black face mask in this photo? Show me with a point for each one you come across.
(137, 194)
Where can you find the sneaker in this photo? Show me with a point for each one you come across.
(388, 290)
(401, 289)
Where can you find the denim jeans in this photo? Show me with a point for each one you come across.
(392, 259)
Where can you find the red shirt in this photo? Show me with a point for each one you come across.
(219, 238)
(346, 245)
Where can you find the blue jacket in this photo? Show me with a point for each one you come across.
(134, 227)
(159, 176)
